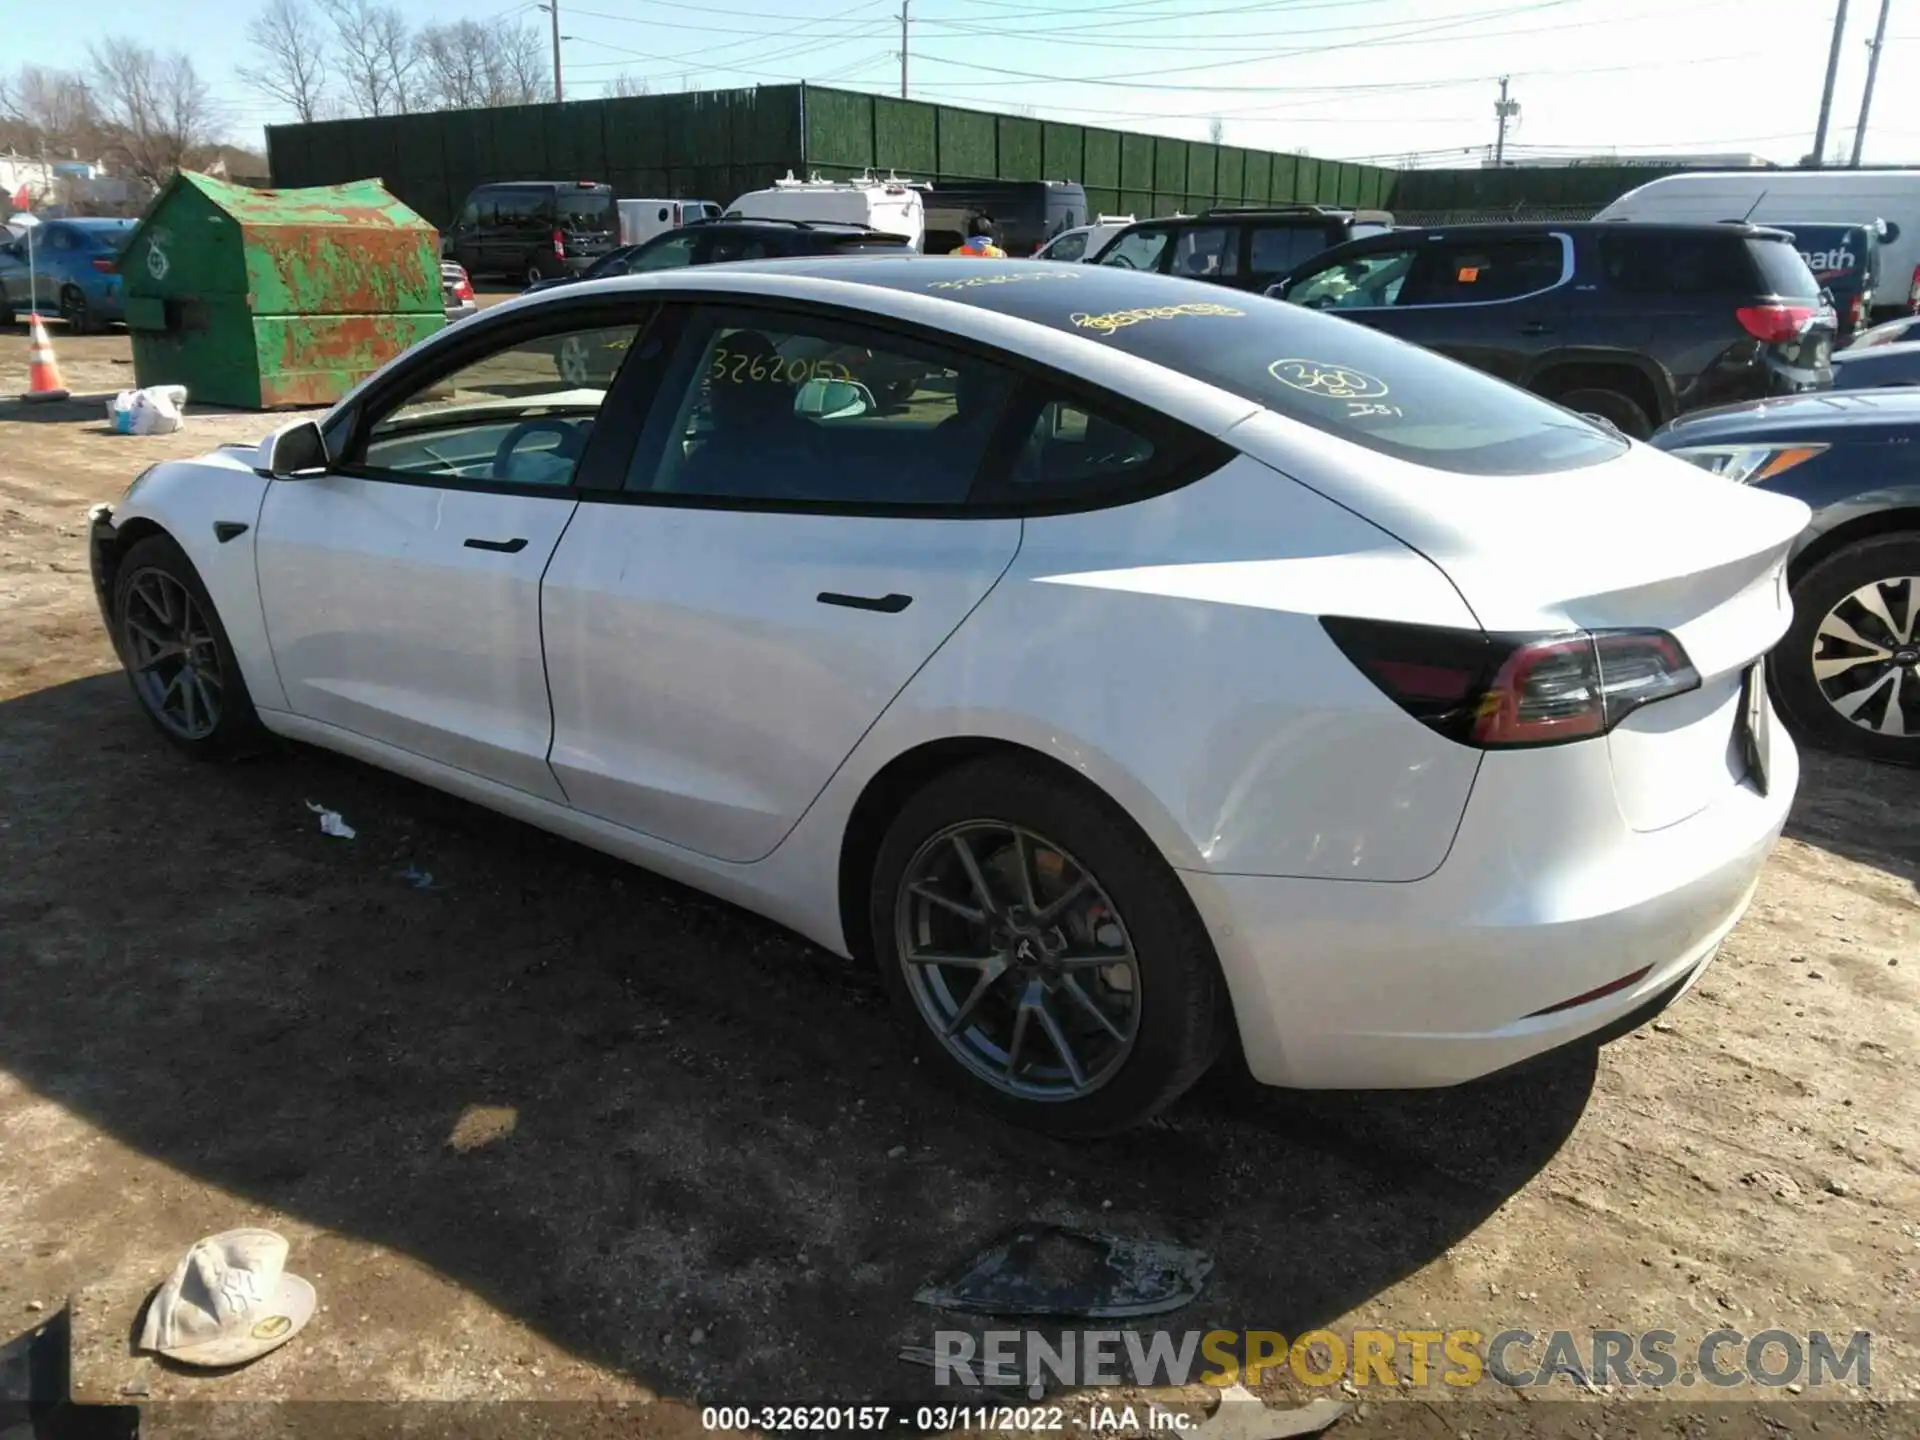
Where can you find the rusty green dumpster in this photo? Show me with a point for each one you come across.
(262, 299)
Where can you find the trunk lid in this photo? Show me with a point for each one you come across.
(1644, 541)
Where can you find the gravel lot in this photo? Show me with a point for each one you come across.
(555, 1130)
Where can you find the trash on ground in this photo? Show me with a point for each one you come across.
(330, 821)
(228, 1301)
(416, 877)
(154, 410)
(1243, 1416)
(1053, 1270)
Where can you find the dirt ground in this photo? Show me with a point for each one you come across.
(555, 1130)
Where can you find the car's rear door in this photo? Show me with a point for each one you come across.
(401, 588)
(779, 559)
(1497, 303)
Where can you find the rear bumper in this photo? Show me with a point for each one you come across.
(1361, 985)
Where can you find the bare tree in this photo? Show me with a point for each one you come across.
(466, 66)
(1217, 130)
(47, 110)
(292, 51)
(378, 56)
(626, 84)
(155, 107)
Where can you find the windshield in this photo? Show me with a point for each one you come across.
(1333, 374)
(586, 210)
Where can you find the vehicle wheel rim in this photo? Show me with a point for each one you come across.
(1018, 960)
(73, 308)
(534, 277)
(573, 360)
(173, 656)
(1866, 657)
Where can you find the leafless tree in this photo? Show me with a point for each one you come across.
(154, 107)
(627, 84)
(1217, 130)
(47, 110)
(291, 48)
(378, 56)
(466, 65)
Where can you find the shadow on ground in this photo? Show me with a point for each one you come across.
(1863, 810)
(702, 1106)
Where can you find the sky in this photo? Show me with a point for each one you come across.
(1396, 81)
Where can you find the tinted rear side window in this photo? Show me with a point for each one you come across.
(1332, 374)
(1782, 271)
(1669, 263)
(586, 210)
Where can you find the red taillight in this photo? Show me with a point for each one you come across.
(103, 264)
(1856, 310)
(559, 244)
(1913, 292)
(463, 289)
(1775, 323)
(1507, 691)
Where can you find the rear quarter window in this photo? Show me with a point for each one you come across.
(1334, 375)
(1782, 271)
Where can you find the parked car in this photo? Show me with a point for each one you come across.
(1878, 367)
(1636, 323)
(1083, 242)
(1248, 248)
(532, 229)
(1847, 674)
(1424, 789)
(709, 242)
(643, 219)
(75, 272)
(456, 292)
(1769, 197)
(1907, 327)
(1845, 260)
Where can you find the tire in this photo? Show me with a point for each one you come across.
(147, 592)
(7, 317)
(1165, 1024)
(1826, 599)
(1621, 411)
(76, 312)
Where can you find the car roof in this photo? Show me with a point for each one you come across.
(97, 222)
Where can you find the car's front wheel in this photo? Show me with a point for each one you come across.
(1046, 957)
(1847, 674)
(177, 654)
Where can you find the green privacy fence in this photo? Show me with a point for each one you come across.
(718, 144)
(1523, 188)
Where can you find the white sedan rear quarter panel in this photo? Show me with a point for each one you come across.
(1171, 651)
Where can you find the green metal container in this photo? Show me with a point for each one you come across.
(263, 299)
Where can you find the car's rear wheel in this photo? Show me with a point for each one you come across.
(1847, 674)
(177, 654)
(76, 312)
(1047, 959)
(1621, 411)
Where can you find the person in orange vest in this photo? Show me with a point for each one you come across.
(982, 240)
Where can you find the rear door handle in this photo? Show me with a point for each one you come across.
(505, 547)
(886, 604)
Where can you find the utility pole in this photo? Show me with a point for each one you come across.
(1873, 68)
(1826, 94)
(903, 48)
(553, 9)
(1503, 110)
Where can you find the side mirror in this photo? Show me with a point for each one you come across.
(295, 450)
(833, 400)
(1889, 231)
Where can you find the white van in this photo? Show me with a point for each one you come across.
(892, 206)
(1853, 197)
(644, 219)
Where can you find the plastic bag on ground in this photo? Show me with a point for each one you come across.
(154, 410)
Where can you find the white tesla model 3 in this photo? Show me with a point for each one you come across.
(1116, 661)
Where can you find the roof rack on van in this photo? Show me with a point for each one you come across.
(735, 215)
(1319, 210)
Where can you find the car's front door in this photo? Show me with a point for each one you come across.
(401, 589)
(1497, 304)
(786, 552)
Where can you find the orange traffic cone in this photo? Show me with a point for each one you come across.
(43, 375)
